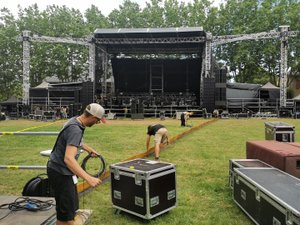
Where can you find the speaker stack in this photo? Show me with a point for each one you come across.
(209, 94)
(87, 93)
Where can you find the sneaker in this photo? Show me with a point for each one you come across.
(82, 216)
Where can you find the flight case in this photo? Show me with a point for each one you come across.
(282, 155)
(144, 188)
(267, 195)
(241, 163)
(279, 131)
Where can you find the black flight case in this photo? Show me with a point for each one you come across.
(268, 196)
(279, 131)
(144, 188)
(241, 163)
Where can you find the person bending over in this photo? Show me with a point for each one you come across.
(184, 117)
(160, 134)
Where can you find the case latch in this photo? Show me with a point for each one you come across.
(257, 194)
(116, 174)
(289, 218)
(154, 201)
(117, 195)
(139, 201)
(171, 194)
(138, 179)
(243, 195)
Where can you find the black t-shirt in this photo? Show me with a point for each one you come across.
(72, 134)
(152, 129)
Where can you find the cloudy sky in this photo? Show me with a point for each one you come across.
(106, 6)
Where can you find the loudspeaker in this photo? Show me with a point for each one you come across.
(133, 108)
(136, 116)
(87, 93)
(140, 108)
(74, 110)
(209, 94)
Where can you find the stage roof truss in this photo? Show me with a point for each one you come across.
(169, 40)
(153, 45)
(147, 51)
(151, 40)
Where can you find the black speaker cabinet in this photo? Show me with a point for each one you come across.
(137, 116)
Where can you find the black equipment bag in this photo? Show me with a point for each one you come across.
(38, 186)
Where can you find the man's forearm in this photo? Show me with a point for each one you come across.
(89, 149)
(73, 165)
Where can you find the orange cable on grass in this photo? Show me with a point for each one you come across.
(83, 186)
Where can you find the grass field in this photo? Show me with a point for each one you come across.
(201, 160)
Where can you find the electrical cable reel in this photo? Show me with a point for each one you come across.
(94, 166)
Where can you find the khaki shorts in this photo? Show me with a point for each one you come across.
(161, 136)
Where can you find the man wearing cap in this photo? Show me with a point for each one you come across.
(160, 134)
(63, 168)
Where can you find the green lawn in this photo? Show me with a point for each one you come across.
(201, 160)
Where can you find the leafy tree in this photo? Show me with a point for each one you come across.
(153, 14)
(200, 14)
(94, 19)
(175, 14)
(250, 61)
(61, 60)
(10, 57)
(128, 16)
(260, 60)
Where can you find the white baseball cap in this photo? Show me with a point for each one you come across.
(97, 111)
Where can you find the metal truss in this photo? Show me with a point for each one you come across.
(218, 40)
(283, 35)
(169, 40)
(26, 66)
(208, 44)
(206, 64)
(66, 40)
(159, 50)
(26, 38)
(92, 55)
(283, 64)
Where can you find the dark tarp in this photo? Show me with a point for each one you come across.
(245, 90)
(13, 100)
(269, 91)
(242, 90)
(11, 106)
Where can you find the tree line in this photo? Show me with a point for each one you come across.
(249, 61)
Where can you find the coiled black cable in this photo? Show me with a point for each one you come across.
(101, 166)
(26, 203)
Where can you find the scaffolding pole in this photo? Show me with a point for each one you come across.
(16, 167)
(283, 64)
(29, 133)
(26, 64)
